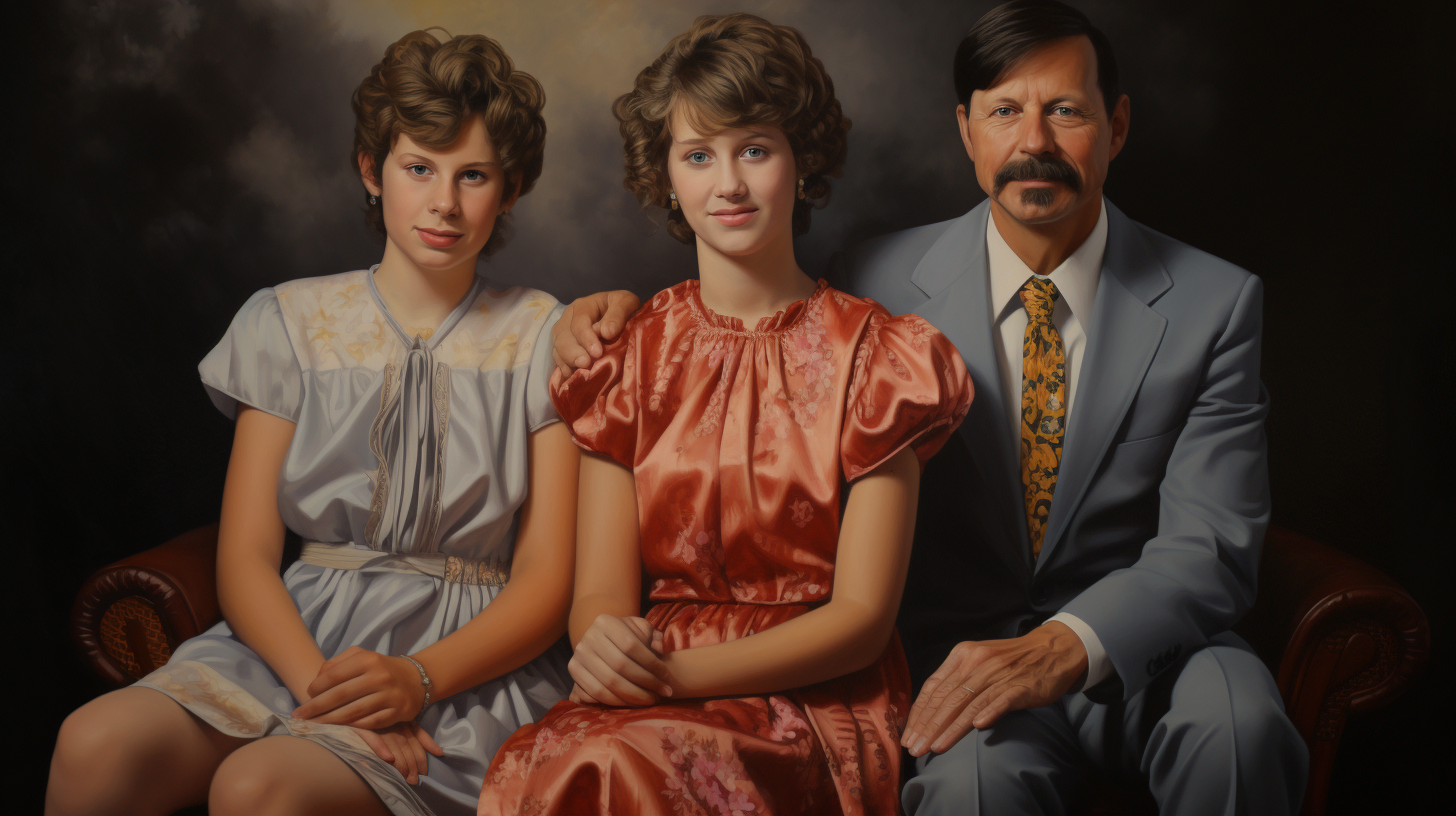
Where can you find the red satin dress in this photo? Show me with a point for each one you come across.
(742, 444)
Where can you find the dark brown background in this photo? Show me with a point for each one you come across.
(166, 159)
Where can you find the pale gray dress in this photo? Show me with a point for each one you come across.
(405, 472)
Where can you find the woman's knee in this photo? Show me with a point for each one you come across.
(107, 733)
(111, 750)
(281, 775)
(250, 780)
(84, 739)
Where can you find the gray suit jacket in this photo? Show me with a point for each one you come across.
(1162, 498)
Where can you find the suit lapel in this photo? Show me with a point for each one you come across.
(954, 275)
(1123, 335)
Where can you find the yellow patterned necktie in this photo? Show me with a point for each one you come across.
(1043, 406)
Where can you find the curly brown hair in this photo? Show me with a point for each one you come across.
(729, 71)
(429, 89)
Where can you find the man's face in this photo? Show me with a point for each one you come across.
(1042, 138)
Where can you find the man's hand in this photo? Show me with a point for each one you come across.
(980, 681)
(577, 337)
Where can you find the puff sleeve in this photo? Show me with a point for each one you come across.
(909, 387)
(539, 410)
(599, 403)
(254, 363)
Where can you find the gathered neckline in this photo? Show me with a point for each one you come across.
(441, 330)
(778, 322)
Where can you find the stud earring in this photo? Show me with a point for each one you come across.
(373, 199)
(801, 189)
(672, 199)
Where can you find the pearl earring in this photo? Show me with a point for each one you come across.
(672, 199)
(374, 199)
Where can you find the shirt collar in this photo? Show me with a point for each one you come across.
(1076, 278)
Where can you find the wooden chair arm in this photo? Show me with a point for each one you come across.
(1340, 637)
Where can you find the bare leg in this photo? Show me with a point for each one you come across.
(289, 775)
(134, 751)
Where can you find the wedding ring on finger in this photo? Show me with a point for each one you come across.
(971, 690)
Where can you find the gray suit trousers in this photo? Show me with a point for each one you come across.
(1207, 737)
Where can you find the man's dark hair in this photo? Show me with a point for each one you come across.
(1007, 34)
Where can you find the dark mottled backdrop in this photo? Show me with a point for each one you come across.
(166, 158)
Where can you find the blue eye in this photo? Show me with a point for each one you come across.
(1063, 110)
(697, 157)
(417, 169)
(1002, 111)
(473, 175)
(754, 152)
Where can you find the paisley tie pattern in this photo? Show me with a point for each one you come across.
(1043, 406)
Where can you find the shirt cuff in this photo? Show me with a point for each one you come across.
(1099, 668)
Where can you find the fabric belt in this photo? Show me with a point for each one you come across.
(488, 572)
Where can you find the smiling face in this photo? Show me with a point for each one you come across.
(1042, 138)
(440, 205)
(736, 187)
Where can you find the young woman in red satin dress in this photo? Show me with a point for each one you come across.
(758, 439)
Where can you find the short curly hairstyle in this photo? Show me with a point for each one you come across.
(729, 71)
(429, 89)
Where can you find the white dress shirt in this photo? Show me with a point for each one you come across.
(1076, 282)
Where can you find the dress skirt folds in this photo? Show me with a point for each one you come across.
(742, 444)
(404, 475)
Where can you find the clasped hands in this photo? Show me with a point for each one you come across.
(379, 696)
(980, 681)
(618, 662)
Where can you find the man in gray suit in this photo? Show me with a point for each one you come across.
(1086, 541)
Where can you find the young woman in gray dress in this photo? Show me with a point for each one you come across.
(397, 418)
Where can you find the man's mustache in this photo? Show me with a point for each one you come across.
(1038, 169)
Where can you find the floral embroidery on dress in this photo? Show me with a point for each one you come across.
(713, 413)
(333, 322)
(707, 781)
(809, 354)
(666, 367)
(894, 721)
(509, 765)
(770, 427)
(787, 724)
(370, 341)
(919, 330)
(714, 347)
(849, 770)
(684, 551)
(864, 404)
(895, 364)
(867, 722)
(697, 548)
(802, 512)
(803, 591)
(492, 338)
